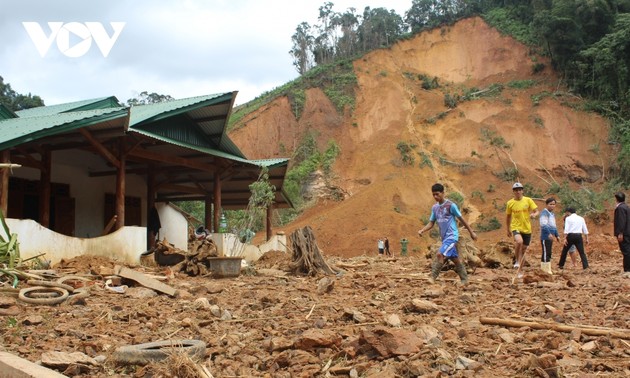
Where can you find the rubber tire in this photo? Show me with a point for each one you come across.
(142, 354)
(43, 301)
(79, 293)
(69, 288)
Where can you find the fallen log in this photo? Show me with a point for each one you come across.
(587, 330)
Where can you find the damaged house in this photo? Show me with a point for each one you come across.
(82, 177)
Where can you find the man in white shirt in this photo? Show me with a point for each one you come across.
(574, 228)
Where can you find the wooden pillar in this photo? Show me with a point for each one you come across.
(151, 190)
(44, 191)
(207, 218)
(217, 201)
(5, 158)
(269, 228)
(120, 185)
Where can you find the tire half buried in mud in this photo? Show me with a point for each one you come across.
(142, 354)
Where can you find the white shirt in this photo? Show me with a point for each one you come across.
(575, 224)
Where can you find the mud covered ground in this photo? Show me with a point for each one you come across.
(379, 318)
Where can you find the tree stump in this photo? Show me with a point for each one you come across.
(307, 258)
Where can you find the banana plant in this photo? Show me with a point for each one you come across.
(9, 246)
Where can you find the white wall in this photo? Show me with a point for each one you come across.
(72, 168)
(174, 226)
(229, 245)
(124, 245)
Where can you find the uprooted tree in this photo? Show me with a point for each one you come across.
(307, 258)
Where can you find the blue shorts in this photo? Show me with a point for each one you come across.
(449, 248)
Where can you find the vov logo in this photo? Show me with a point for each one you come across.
(63, 33)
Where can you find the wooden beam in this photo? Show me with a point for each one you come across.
(182, 189)
(269, 228)
(44, 193)
(599, 331)
(29, 161)
(102, 150)
(130, 171)
(120, 186)
(217, 201)
(4, 182)
(208, 212)
(174, 160)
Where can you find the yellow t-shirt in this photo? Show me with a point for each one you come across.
(520, 210)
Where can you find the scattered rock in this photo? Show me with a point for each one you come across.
(421, 306)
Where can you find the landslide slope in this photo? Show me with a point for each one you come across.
(531, 125)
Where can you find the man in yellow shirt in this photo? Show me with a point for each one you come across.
(520, 210)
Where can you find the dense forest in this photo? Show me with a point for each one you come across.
(588, 42)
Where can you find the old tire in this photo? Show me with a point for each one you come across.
(69, 288)
(63, 295)
(142, 354)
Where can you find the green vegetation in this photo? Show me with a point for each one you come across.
(405, 152)
(429, 83)
(308, 159)
(587, 201)
(425, 160)
(521, 84)
(478, 194)
(16, 101)
(9, 246)
(337, 80)
(485, 225)
(458, 198)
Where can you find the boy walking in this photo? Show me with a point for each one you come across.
(519, 210)
(446, 213)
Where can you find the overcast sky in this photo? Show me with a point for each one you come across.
(180, 48)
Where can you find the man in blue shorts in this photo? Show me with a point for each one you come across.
(446, 213)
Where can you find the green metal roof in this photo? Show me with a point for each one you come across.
(205, 150)
(192, 128)
(271, 163)
(142, 114)
(6, 113)
(92, 104)
(201, 121)
(16, 131)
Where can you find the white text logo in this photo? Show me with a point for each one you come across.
(63, 33)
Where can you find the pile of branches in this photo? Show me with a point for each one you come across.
(195, 261)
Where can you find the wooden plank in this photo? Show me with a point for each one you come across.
(587, 330)
(12, 366)
(144, 280)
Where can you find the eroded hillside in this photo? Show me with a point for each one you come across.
(506, 119)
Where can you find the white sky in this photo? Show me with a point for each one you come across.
(181, 48)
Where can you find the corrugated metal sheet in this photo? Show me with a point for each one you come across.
(6, 113)
(16, 131)
(271, 163)
(92, 104)
(205, 150)
(143, 114)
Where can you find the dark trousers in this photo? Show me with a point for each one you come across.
(574, 239)
(546, 250)
(624, 246)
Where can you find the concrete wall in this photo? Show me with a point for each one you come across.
(73, 168)
(124, 245)
(229, 245)
(174, 226)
